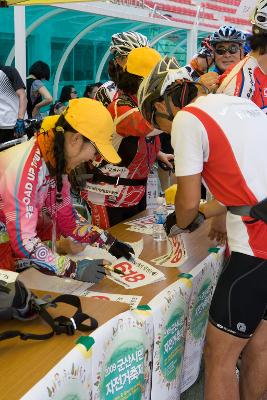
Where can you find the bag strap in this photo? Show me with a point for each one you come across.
(59, 324)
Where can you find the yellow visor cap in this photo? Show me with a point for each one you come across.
(92, 120)
(141, 61)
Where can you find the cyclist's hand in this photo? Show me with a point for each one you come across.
(119, 249)
(210, 80)
(19, 128)
(90, 270)
(68, 246)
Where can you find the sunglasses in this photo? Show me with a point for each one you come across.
(233, 49)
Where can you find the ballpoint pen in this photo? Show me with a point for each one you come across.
(113, 269)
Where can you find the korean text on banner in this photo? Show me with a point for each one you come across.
(122, 357)
(169, 310)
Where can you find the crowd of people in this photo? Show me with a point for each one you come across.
(205, 121)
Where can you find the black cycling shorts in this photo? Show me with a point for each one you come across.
(240, 299)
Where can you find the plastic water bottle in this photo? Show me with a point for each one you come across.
(160, 215)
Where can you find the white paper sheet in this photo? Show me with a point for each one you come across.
(133, 301)
(34, 279)
(135, 275)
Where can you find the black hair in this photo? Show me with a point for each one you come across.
(129, 83)
(258, 42)
(61, 126)
(183, 94)
(89, 88)
(65, 93)
(40, 70)
(114, 71)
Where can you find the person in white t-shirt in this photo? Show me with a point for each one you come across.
(222, 141)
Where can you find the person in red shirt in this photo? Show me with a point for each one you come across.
(118, 192)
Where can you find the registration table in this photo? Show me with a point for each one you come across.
(150, 352)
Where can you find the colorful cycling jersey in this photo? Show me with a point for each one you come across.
(107, 93)
(224, 139)
(28, 202)
(246, 79)
(137, 143)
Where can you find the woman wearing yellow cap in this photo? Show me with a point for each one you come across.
(118, 192)
(35, 191)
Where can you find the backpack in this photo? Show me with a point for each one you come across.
(18, 302)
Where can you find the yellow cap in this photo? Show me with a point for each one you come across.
(92, 120)
(141, 61)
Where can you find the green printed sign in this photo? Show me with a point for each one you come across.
(172, 345)
(200, 310)
(123, 374)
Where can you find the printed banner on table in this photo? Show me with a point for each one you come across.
(204, 280)
(176, 253)
(70, 379)
(169, 310)
(136, 274)
(122, 357)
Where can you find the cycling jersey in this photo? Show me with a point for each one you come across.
(224, 138)
(28, 205)
(137, 143)
(246, 79)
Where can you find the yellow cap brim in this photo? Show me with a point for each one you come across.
(49, 122)
(108, 152)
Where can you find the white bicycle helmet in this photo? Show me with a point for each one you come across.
(227, 33)
(122, 43)
(259, 17)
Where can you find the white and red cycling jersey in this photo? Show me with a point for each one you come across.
(246, 79)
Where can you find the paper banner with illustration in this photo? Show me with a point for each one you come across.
(169, 310)
(133, 301)
(34, 279)
(176, 254)
(97, 253)
(70, 379)
(136, 274)
(142, 225)
(204, 280)
(122, 357)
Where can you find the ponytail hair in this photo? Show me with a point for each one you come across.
(61, 126)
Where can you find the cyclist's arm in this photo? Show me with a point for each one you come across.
(73, 225)
(22, 103)
(47, 98)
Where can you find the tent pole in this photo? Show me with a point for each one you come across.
(20, 40)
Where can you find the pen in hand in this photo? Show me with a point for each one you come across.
(113, 269)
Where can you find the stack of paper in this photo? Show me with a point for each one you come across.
(176, 254)
(142, 225)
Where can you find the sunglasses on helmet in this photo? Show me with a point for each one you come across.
(233, 49)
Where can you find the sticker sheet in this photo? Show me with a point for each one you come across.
(136, 274)
(122, 357)
(176, 254)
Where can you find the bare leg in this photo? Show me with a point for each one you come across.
(253, 374)
(221, 354)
